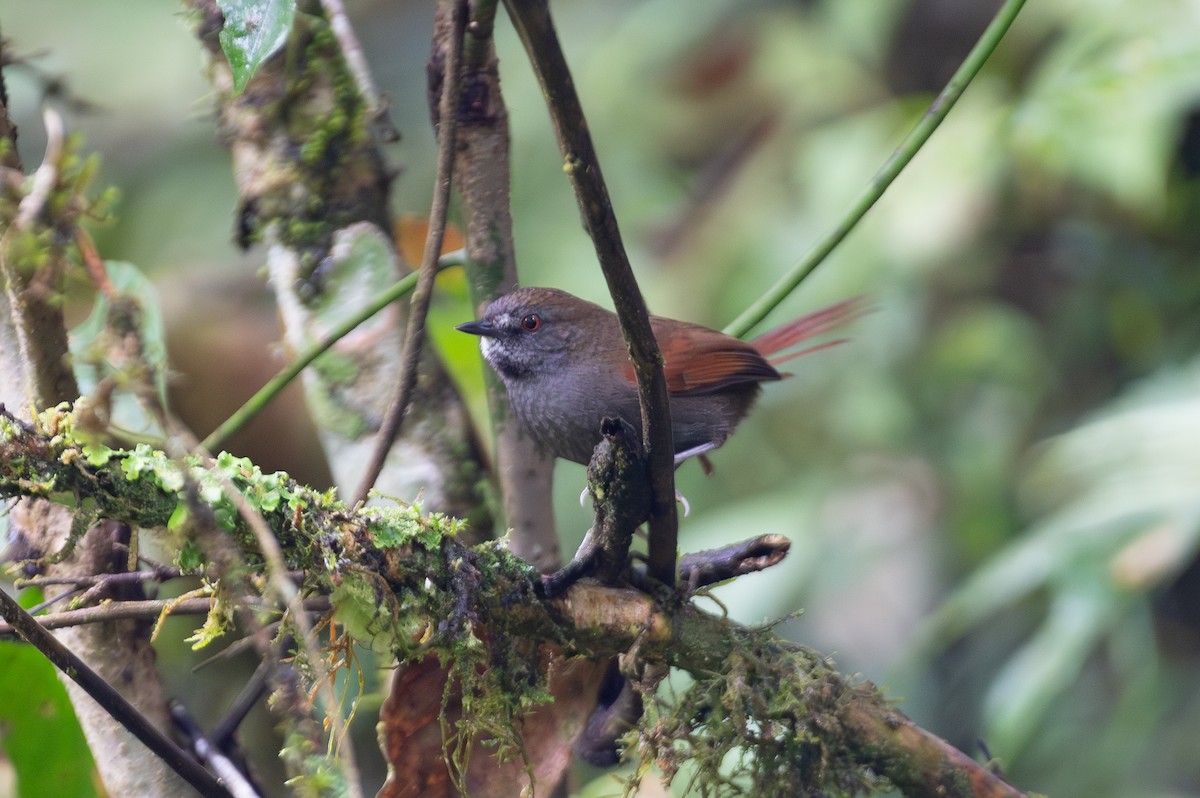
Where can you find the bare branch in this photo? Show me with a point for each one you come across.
(525, 473)
(533, 24)
(143, 610)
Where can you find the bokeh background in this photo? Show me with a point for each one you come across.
(992, 489)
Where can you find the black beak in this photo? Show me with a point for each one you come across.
(478, 328)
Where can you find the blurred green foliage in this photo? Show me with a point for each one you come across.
(38, 731)
(991, 487)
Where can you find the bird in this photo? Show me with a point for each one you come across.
(565, 366)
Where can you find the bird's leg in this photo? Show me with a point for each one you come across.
(680, 457)
(695, 451)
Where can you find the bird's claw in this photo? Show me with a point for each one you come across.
(687, 508)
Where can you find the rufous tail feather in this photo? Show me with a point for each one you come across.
(805, 327)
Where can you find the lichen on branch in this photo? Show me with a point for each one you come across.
(760, 713)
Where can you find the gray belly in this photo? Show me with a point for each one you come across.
(566, 423)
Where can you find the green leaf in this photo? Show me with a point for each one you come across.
(358, 607)
(254, 30)
(97, 454)
(190, 559)
(1037, 673)
(38, 729)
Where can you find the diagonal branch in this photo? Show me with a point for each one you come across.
(533, 24)
(107, 697)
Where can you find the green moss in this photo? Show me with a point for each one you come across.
(398, 577)
(762, 724)
(307, 230)
(324, 115)
(318, 775)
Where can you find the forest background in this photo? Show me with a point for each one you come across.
(991, 489)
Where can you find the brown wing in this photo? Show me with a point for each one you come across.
(701, 361)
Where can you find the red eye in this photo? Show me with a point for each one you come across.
(532, 322)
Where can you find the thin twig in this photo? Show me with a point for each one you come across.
(143, 610)
(93, 263)
(414, 338)
(887, 173)
(50, 602)
(206, 751)
(108, 698)
(87, 580)
(536, 30)
(254, 689)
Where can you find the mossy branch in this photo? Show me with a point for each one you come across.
(402, 579)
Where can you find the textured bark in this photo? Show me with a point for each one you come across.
(753, 690)
(525, 472)
(313, 188)
(35, 372)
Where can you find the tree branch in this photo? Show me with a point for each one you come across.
(142, 610)
(788, 705)
(113, 702)
(531, 18)
(525, 473)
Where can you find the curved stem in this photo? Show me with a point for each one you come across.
(228, 428)
(887, 173)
